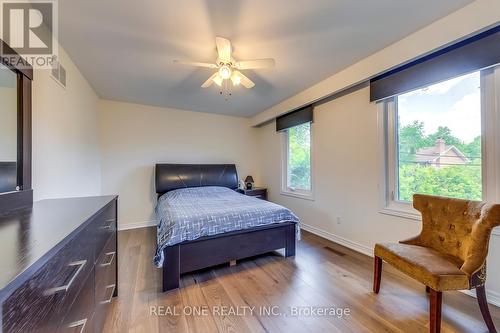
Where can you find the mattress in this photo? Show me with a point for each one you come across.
(190, 213)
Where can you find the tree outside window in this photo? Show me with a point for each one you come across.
(299, 158)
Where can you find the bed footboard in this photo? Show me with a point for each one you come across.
(215, 250)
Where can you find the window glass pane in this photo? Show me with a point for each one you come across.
(299, 157)
(439, 140)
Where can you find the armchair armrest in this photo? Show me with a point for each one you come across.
(412, 241)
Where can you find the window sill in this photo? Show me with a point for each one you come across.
(400, 213)
(309, 197)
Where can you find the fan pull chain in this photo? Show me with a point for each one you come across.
(225, 90)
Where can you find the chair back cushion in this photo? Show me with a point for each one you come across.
(460, 228)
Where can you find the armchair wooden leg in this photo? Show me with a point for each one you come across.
(485, 311)
(377, 274)
(436, 299)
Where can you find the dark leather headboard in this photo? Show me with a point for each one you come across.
(170, 177)
(8, 176)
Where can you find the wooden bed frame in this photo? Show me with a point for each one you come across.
(208, 251)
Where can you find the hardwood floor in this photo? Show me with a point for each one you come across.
(322, 275)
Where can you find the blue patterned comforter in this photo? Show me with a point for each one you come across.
(191, 213)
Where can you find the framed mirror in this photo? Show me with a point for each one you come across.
(8, 130)
(15, 130)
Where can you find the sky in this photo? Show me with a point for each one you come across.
(455, 103)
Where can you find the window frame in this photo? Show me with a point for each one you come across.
(490, 148)
(285, 189)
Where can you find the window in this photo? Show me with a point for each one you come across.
(297, 162)
(440, 140)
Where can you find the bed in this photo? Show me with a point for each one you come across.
(204, 221)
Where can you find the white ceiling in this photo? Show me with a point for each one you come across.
(125, 48)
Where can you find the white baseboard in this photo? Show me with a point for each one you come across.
(339, 240)
(136, 225)
(493, 297)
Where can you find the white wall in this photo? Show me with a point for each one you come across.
(346, 176)
(66, 153)
(135, 137)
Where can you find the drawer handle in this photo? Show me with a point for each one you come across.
(111, 256)
(112, 287)
(65, 288)
(110, 224)
(79, 323)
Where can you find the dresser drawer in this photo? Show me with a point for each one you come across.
(106, 226)
(79, 317)
(41, 302)
(105, 282)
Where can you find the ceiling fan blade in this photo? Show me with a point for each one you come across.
(245, 82)
(223, 49)
(257, 63)
(194, 63)
(210, 80)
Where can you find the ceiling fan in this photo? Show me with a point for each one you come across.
(228, 68)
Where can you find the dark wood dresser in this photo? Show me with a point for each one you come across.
(58, 265)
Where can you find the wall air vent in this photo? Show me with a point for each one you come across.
(59, 74)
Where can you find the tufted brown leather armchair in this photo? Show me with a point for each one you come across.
(450, 252)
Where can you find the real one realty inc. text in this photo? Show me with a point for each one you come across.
(222, 310)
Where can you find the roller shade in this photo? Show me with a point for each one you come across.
(475, 53)
(294, 118)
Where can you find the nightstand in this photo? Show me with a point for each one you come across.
(257, 192)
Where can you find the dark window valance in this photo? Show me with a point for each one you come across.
(295, 118)
(474, 53)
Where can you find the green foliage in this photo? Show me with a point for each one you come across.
(443, 133)
(460, 181)
(300, 156)
(411, 138)
(472, 150)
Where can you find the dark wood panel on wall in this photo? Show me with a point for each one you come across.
(472, 54)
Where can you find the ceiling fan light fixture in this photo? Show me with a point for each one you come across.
(225, 72)
(236, 79)
(227, 68)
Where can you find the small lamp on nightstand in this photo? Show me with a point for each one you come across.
(249, 182)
